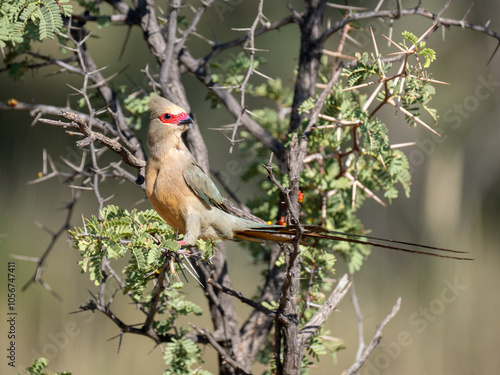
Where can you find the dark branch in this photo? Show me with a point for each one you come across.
(248, 301)
(37, 276)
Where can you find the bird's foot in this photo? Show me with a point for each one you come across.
(185, 250)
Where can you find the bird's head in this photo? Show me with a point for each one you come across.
(166, 117)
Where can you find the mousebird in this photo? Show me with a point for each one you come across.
(188, 200)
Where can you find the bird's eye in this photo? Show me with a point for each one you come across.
(165, 117)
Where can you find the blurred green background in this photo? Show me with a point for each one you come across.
(448, 322)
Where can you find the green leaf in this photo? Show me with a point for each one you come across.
(154, 255)
(429, 55)
(37, 366)
(412, 38)
(139, 257)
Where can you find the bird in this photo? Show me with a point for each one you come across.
(188, 200)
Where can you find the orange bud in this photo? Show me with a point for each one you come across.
(282, 221)
(40, 174)
(301, 196)
(12, 102)
(269, 222)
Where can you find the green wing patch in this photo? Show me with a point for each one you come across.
(203, 186)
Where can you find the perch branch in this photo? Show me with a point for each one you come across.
(92, 136)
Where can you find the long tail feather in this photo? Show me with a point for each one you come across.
(260, 236)
(280, 233)
(398, 242)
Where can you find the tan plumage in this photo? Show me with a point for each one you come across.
(177, 187)
(188, 200)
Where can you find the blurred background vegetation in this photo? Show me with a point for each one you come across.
(448, 320)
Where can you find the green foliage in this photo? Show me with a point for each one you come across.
(117, 233)
(328, 193)
(427, 53)
(322, 344)
(16, 16)
(137, 106)
(180, 356)
(23, 22)
(151, 248)
(39, 365)
(341, 153)
(366, 67)
(418, 93)
(90, 6)
(274, 90)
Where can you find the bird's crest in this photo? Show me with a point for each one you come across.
(158, 106)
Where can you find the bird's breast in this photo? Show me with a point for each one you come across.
(168, 193)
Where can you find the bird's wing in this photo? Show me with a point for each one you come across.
(203, 186)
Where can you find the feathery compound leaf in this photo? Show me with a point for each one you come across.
(429, 56)
(139, 257)
(409, 36)
(154, 255)
(180, 355)
(38, 366)
(10, 32)
(16, 17)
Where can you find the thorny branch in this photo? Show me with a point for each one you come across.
(40, 262)
(250, 71)
(92, 136)
(249, 302)
(94, 305)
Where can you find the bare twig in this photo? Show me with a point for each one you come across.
(375, 341)
(36, 109)
(359, 315)
(37, 276)
(325, 310)
(251, 42)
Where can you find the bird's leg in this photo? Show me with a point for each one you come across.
(193, 226)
